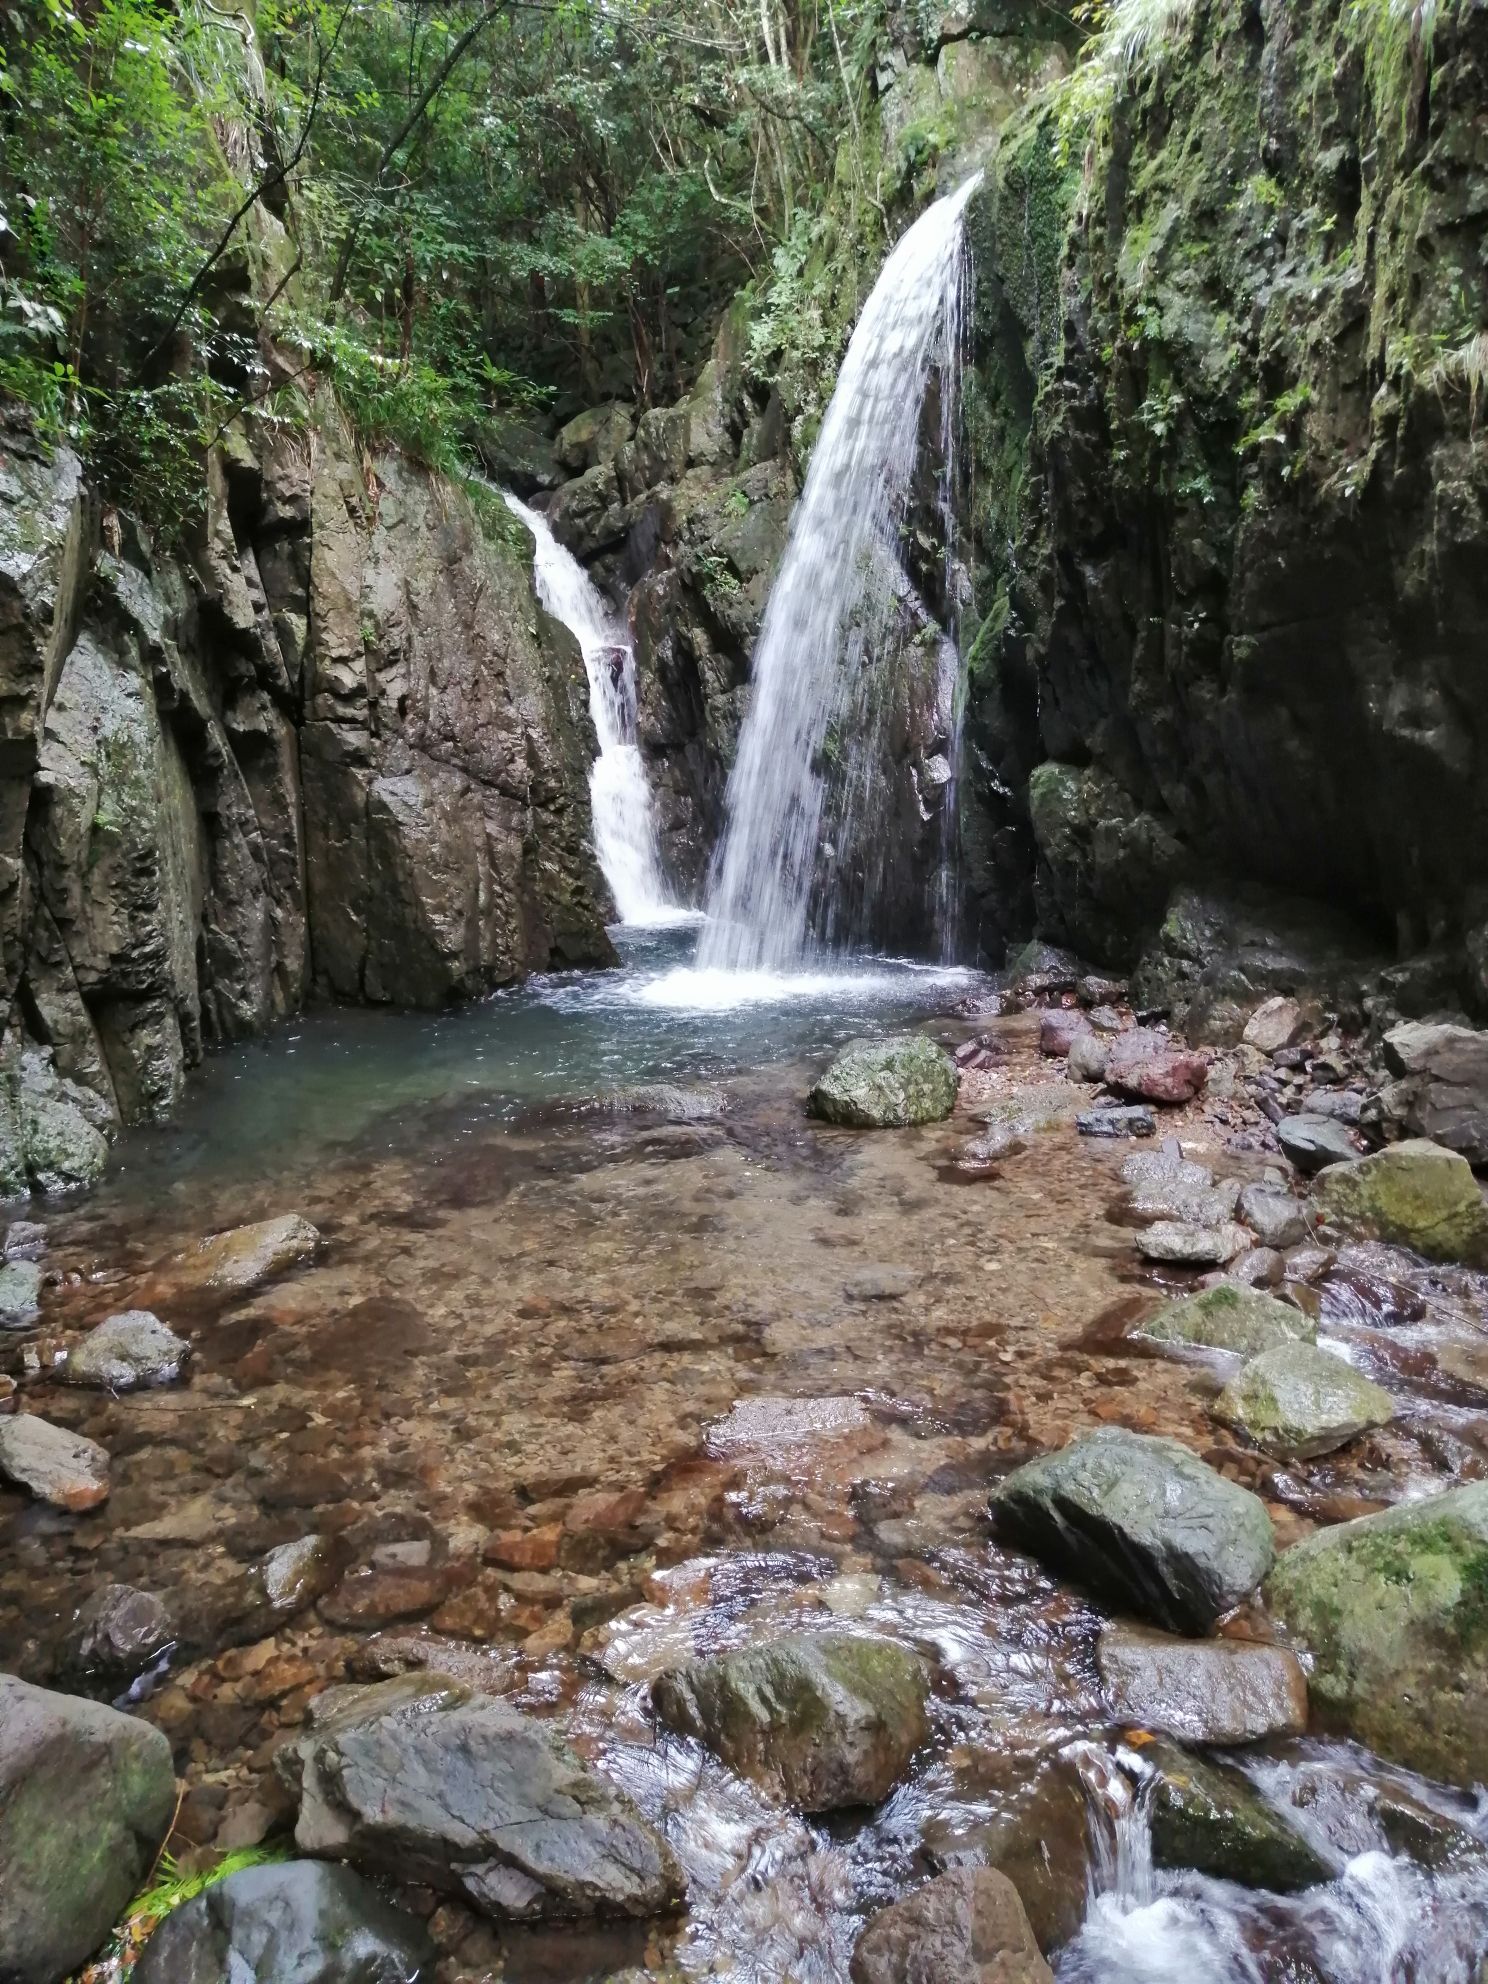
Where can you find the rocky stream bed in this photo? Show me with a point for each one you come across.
(623, 1522)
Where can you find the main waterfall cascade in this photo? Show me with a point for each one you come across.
(816, 704)
(619, 795)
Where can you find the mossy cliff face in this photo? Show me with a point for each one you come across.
(327, 751)
(1230, 490)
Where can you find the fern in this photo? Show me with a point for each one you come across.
(172, 1886)
(1139, 34)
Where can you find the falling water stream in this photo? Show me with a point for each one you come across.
(624, 827)
(832, 602)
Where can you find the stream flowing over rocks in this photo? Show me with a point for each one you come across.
(744, 1163)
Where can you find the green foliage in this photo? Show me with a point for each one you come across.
(171, 1885)
(1465, 366)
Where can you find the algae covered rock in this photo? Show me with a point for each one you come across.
(1230, 1317)
(1416, 1194)
(1143, 1523)
(1210, 1817)
(1295, 1401)
(820, 1720)
(886, 1084)
(299, 1922)
(422, 1779)
(86, 1796)
(1393, 1610)
(965, 1927)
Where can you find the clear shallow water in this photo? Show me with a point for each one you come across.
(327, 1080)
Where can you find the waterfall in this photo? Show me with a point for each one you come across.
(813, 707)
(619, 797)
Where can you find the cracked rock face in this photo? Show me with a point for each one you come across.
(420, 1778)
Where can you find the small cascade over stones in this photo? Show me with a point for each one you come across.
(801, 804)
(619, 795)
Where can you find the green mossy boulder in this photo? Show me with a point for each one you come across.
(1210, 1817)
(1294, 1401)
(886, 1084)
(821, 1721)
(1393, 1610)
(86, 1797)
(1416, 1194)
(1230, 1317)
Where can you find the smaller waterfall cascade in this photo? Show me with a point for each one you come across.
(831, 603)
(620, 798)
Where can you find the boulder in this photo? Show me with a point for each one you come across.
(1194, 1205)
(292, 1922)
(820, 1720)
(1273, 1216)
(594, 436)
(1391, 1611)
(965, 1927)
(53, 1465)
(420, 1778)
(1228, 1317)
(1143, 1523)
(1442, 1090)
(1416, 1194)
(127, 1351)
(1209, 1817)
(1294, 1401)
(1202, 1691)
(1177, 1244)
(1060, 1029)
(117, 1634)
(1088, 1053)
(20, 1293)
(1147, 1064)
(86, 1797)
(247, 1255)
(886, 1084)
(62, 1146)
(1276, 1023)
(1314, 1141)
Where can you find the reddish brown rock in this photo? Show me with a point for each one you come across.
(1148, 1064)
(373, 1598)
(525, 1549)
(1059, 1029)
(967, 1927)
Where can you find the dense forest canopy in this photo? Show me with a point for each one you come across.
(452, 207)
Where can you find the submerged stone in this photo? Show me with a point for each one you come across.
(1130, 1120)
(886, 1084)
(1393, 1611)
(1294, 1401)
(820, 1720)
(1202, 1691)
(117, 1634)
(421, 1779)
(1229, 1317)
(300, 1922)
(20, 1291)
(56, 1466)
(246, 1255)
(1209, 1817)
(1142, 1522)
(127, 1351)
(1416, 1194)
(965, 1927)
(86, 1797)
